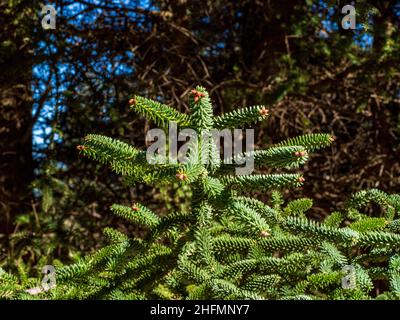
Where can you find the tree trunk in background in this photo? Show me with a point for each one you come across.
(16, 58)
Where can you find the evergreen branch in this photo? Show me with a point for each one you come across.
(268, 213)
(224, 288)
(334, 254)
(253, 221)
(287, 244)
(115, 236)
(275, 157)
(298, 207)
(201, 108)
(137, 214)
(320, 281)
(375, 238)
(368, 224)
(314, 229)
(262, 283)
(364, 197)
(170, 220)
(311, 142)
(223, 244)
(241, 118)
(262, 182)
(288, 265)
(123, 158)
(161, 114)
(334, 219)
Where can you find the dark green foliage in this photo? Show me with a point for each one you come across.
(229, 246)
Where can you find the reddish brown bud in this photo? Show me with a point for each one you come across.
(300, 153)
(135, 208)
(181, 176)
(132, 101)
(301, 179)
(264, 112)
(197, 95)
(264, 233)
(80, 147)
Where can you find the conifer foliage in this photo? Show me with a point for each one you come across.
(229, 245)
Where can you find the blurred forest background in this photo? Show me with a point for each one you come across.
(58, 85)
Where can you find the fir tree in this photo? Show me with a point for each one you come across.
(229, 245)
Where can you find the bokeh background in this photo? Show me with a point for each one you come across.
(58, 85)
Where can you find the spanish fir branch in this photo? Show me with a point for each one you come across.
(311, 142)
(241, 118)
(137, 214)
(275, 157)
(161, 114)
(122, 157)
(201, 110)
(263, 181)
(252, 220)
